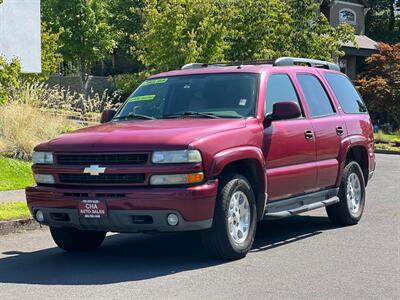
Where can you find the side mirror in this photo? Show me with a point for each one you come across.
(284, 111)
(107, 115)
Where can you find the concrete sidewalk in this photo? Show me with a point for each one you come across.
(12, 196)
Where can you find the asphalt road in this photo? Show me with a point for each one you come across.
(303, 257)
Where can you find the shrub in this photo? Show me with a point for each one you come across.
(61, 101)
(380, 83)
(9, 77)
(125, 84)
(381, 138)
(22, 127)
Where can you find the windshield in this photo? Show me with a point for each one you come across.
(200, 96)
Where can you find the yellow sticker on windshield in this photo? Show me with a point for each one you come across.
(154, 81)
(141, 98)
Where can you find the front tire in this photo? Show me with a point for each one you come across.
(235, 218)
(75, 240)
(349, 210)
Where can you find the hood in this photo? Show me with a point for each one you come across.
(139, 135)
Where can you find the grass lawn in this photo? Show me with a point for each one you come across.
(13, 210)
(389, 142)
(14, 174)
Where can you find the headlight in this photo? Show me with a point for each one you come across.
(44, 178)
(42, 158)
(176, 179)
(180, 156)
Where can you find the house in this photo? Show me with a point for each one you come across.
(352, 12)
(20, 33)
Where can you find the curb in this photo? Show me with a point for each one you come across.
(14, 226)
(387, 152)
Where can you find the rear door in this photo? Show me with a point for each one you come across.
(328, 128)
(289, 153)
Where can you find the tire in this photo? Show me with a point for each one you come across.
(225, 238)
(75, 240)
(348, 211)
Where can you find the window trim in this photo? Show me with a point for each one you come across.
(335, 111)
(303, 115)
(338, 101)
(351, 11)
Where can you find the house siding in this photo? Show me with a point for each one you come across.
(359, 11)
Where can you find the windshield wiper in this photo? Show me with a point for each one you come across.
(134, 116)
(192, 113)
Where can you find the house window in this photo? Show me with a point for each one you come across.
(347, 15)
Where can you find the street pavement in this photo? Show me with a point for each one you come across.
(303, 257)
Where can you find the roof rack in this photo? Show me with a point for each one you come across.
(227, 64)
(292, 61)
(280, 62)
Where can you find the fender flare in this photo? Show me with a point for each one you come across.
(346, 145)
(225, 157)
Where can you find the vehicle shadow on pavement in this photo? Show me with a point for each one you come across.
(133, 257)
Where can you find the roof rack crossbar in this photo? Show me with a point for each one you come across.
(280, 62)
(292, 61)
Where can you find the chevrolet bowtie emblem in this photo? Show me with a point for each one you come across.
(94, 170)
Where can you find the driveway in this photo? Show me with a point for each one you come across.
(12, 196)
(303, 257)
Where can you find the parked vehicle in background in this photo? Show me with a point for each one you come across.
(211, 147)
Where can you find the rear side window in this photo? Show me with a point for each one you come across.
(279, 89)
(316, 96)
(348, 97)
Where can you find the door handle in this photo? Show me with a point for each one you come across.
(309, 135)
(339, 130)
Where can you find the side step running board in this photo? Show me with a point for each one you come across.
(294, 206)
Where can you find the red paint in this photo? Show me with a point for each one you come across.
(291, 163)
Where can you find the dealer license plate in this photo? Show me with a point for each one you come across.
(93, 209)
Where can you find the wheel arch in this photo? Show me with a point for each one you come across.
(249, 163)
(356, 152)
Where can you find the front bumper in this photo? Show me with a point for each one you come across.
(194, 206)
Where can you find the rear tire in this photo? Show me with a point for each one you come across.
(75, 240)
(349, 210)
(234, 225)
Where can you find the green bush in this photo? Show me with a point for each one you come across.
(9, 77)
(125, 84)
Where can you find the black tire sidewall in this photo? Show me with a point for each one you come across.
(351, 168)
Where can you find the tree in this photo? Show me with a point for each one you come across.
(126, 20)
(380, 84)
(311, 34)
(85, 34)
(259, 30)
(266, 29)
(381, 22)
(176, 32)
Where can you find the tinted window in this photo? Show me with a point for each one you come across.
(224, 95)
(348, 97)
(279, 89)
(317, 99)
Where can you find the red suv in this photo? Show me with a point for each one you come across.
(211, 147)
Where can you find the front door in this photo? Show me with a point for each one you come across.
(289, 148)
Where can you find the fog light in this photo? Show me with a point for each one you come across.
(39, 216)
(172, 220)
